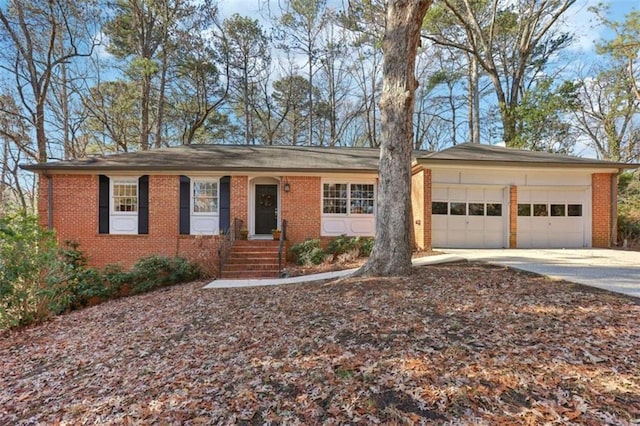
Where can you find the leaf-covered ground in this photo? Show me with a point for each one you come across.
(458, 344)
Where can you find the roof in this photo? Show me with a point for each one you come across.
(477, 154)
(226, 158)
(305, 159)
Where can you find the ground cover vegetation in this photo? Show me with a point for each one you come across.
(39, 279)
(460, 343)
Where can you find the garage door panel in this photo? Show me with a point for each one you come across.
(470, 228)
(555, 228)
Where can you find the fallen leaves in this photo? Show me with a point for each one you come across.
(463, 343)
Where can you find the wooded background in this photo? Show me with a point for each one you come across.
(80, 78)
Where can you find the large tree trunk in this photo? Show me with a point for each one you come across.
(391, 255)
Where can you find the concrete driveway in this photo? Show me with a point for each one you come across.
(613, 270)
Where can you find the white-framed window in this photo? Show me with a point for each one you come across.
(205, 206)
(204, 196)
(346, 198)
(124, 195)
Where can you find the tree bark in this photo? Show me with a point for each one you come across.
(391, 254)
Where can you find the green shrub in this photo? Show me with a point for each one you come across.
(28, 262)
(81, 281)
(366, 245)
(308, 252)
(344, 244)
(629, 225)
(158, 271)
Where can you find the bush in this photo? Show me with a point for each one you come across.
(629, 226)
(158, 271)
(366, 245)
(344, 244)
(38, 279)
(28, 262)
(308, 252)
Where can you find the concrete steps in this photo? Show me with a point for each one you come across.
(251, 259)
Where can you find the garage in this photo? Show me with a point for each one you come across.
(467, 216)
(553, 217)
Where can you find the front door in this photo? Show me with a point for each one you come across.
(266, 208)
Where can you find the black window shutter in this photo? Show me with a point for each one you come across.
(185, 205)
(143, 205)
(225, 203)
(103, 204)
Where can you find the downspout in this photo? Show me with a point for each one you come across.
(49, 202)
(614, 208)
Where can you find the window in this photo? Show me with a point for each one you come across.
(362, 199)
(540, 210)
(205, 196)
(439, 207)
(476, 209)
(334, 198)
(123, 205)
(494, 209)
(125, 196)
(458, 209)
(348, 198)
(557, 209)
(524, 209)
(574, 210)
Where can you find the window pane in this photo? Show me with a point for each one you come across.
(557, 209)
(125, 196)
(205, 197)
(540, 210)
(458, 209)
(439, 207)
(476, 209)
(574, 210)
(524, 209)
(334, 198)
(361, 199)
(494, 209)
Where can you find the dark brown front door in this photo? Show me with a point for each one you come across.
(266, 208)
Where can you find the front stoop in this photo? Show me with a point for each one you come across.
(250, 259)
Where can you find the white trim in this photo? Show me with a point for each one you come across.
(204, 223)
(350, 224)
(123, 223)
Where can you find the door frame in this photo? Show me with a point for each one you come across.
(251, 208)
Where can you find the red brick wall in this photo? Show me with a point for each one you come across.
(75, 217)
(601, 213)
(513, 217)
(427, 209)
(239, 199)
(301, 207)
(421, 208)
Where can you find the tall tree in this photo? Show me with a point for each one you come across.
(391, 254)
(299, 28)
(625, 46)
(510, 40)
(609, 113)
(249, 57)
(290, 95)
(37, 36)
(145, 34)
(365, 21)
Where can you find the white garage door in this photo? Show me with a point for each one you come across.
(469, 217)
(552, 218)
